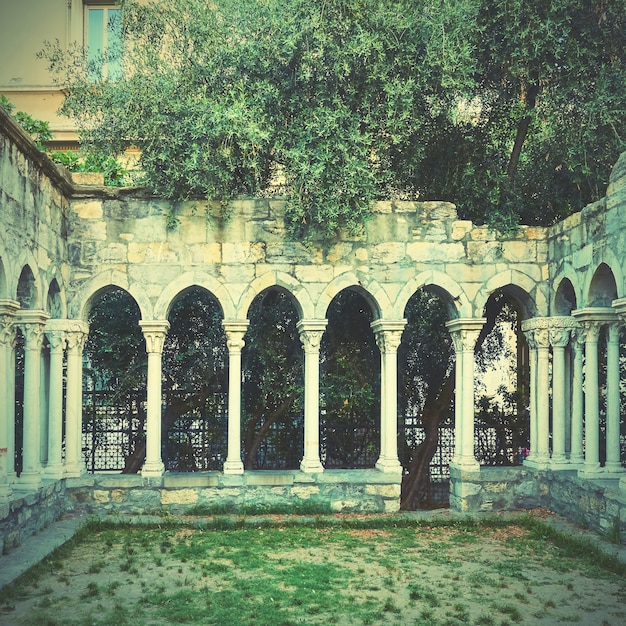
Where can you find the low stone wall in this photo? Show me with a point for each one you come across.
(24, 514)
(497, 489)
(599, 505)
(364, 491)
(596, 504)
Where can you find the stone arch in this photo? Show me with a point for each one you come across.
(27, 291)
(565, 298)
(373, 293)
(517, 286)
(602, 288)
(301, 297)
(3, 280)
(442, 284)
(102, 282)
(186, 281)
(55, 300)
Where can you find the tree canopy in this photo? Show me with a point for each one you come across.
(513, 110)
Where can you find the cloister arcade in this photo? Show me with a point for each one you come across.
(64, 246)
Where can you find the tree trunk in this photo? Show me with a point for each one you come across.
(416, 484)
(135, 460)
(254, 439)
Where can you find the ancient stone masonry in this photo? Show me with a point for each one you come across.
(62, 245)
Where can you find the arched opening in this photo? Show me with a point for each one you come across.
(565, 298)
(194, 421)
(349, 385)
(114, 384)
(3, 281)
(425, 401)
(54, 305)
(502, 425)
(27, 289)
(602, 289)
(273, 383)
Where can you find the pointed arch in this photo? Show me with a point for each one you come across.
(186, 281)
(446, 287)
(519, 287)
(301, 297)
(27, 291)
(602, 288)
(105, 281)
(371, 290)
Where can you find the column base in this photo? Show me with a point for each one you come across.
(388, 465)
(311, 466)
(55, 472)
(614, 468)
(153, 469)
(591, 471)
(465, 464)
(622, 483)
(537, 463)
(28, 480)
(559, 464)
(74, 471)
(233, 467)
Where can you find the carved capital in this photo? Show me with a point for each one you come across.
(311, 332)
(76, 332)
(154, 332)
(388, 334)
(31, 322)
(235, 331)
(464, 332)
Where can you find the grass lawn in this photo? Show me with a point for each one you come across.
(284, 570)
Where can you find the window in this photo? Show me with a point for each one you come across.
(104, 42)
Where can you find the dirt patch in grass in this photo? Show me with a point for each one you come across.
(338, 570)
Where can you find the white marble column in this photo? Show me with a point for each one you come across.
(55, 332)
(559, 339)
(32, 324)
(536, 330)
(613, 462)
(311, 332)
(8, 309)
(388, 336)
(464, 333)
(154, 332)
(76, 336)
(576, 457)
(620, 307)
(235, 331)
(592, 320)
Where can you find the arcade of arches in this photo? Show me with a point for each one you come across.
(63, 245)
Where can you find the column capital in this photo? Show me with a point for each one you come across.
(154, 332)
(596, 315)
(311, 332)
(619, 305)
(235, 331)
(465, 332)
(32, 322)
(56, 332)
(8, 311)
(76, 332)
(388, 334)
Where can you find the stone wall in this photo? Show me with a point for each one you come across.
(599, 505)
(34, 201)
(122, 238)
(363, 491)
(24, 514)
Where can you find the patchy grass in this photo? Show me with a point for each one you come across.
(282, 570)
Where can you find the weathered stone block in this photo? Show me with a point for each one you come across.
(179, 496)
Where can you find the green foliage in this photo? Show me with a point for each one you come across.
(114, 174)
(513, 110)
(273, 382)
(37, 129)
(350, 384)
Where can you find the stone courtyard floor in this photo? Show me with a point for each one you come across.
(415, 568)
